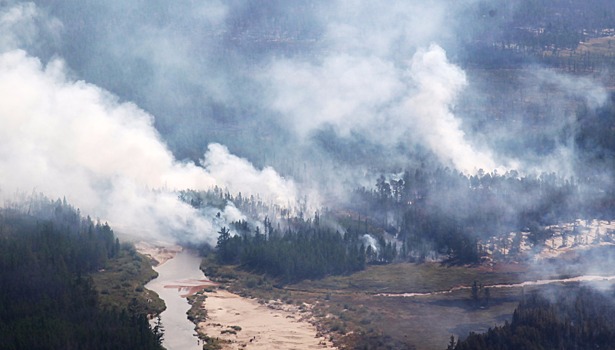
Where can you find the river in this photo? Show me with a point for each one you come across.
(176, 278)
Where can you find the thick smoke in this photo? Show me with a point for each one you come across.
(387, 104)
(298, 85)
(264, 79)
(438, 85)
(65, 137)
(331, 93)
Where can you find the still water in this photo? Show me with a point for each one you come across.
(173, 282)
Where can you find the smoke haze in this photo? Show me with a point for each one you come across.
(65, 137)
(101, 99)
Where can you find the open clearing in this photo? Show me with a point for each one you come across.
(358, 309)
(349, 311)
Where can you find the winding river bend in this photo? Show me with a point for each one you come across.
(585, 278)
(176, 279)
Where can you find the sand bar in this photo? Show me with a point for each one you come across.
(246, 324)
(160, 252)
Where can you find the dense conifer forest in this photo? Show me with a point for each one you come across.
(447, 212)
(294, 247)
(47, 297)
(307, 252)
(288, 99)
(426, 211)
(568, 318)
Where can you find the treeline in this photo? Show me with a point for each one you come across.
(447, 212)
(286, 243)
(304, 251)
(47, 298)
(538, 30)
(580, 319)
(251, 206)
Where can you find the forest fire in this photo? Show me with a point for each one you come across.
(394, 174)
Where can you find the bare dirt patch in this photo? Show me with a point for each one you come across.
(243, 323)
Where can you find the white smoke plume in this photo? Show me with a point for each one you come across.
(240, 175)
(386, 103)
(303, 86)
(65, 137)
(429, 111)
(329, 91)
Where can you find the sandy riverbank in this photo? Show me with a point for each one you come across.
(158, 252)
(243, 322)
(246, 324)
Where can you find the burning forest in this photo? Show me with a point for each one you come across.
(388, 172)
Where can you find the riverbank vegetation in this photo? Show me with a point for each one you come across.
(197, 312)
(121, 282)
(48, 298)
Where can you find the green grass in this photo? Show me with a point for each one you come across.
(121, 284)
(407, 278)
